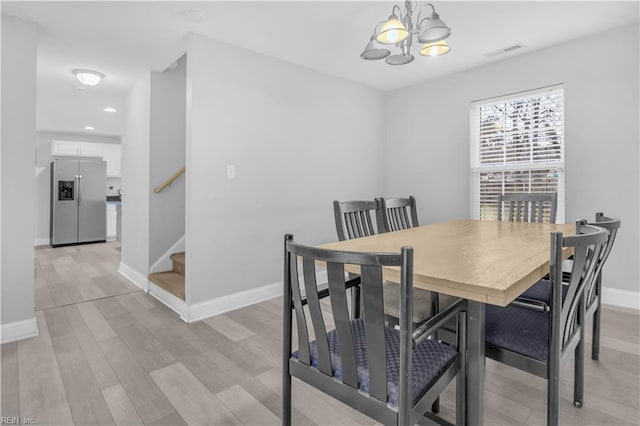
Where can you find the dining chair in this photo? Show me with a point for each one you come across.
(538, 337)
(390, 374)
(356, 219)
(399, 213)
(593, 293)
(528, 207)
(396, 214)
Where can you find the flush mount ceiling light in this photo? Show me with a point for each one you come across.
(110, 109)
(88, 77)
(400, 29)
(89, 128)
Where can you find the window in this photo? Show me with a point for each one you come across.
(517, 145)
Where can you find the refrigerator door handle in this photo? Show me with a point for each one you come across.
(79, 189)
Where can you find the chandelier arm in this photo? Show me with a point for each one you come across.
(420, 20)
(393, 11)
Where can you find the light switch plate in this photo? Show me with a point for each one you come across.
(231, 171)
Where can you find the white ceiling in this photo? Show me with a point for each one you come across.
(125, 39)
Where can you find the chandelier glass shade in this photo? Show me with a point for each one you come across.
(435, 49)
(392, 32)
(401, 28)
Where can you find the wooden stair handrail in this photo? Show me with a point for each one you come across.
(169, 181)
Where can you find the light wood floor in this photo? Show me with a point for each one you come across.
(73, 274)
(125, 359)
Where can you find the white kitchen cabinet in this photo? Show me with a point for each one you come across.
(64, 148)
(112, 154)
(111, 222)
(109, 152)
(76, 149)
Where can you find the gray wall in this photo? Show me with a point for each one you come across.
(299, 139)
(427, 149)
(135, 177)
(19, 49)
(43, 172)
(167, 155)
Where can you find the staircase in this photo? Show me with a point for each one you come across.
(172, 281)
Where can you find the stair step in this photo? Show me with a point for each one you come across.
(170, 281)
(178, 261)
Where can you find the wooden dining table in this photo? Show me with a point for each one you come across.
(483, 261)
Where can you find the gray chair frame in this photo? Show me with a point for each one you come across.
(355, 219)
(373, 403)
(566, 320)
(593, 293)
(398, 213)
(528, 207)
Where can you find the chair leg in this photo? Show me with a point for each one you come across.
(578, 378)
(578, 375)
(595, 344)
(286, 399)
(553, 401)
(461, 380)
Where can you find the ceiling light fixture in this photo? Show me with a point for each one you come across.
(88, 77)
(110, 109)
(89, 128)
(435, 49)
(400, 29)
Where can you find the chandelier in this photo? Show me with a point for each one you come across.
(400, 29)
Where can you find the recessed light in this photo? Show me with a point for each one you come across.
(89, 128)
(110, 109)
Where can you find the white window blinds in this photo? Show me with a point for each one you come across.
(517, 145)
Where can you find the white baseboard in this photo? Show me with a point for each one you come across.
(111, 237)
(233, 301)
(134, 276)
(169, 300)
(623, 298)
(164, 262)
(19, 330)
(41, 242)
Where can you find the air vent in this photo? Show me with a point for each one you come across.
(504, 50)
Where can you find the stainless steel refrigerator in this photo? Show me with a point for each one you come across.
(78, 194)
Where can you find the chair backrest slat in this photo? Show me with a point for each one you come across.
(355, 219)
(338, 296)
(317, 320)
(587, 245)
(611, 225)
(398, 213)
(528, 207)
(374, 325)
(303, 334)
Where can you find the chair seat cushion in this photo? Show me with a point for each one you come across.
(429, 359)
(519, 330)
(421, 302)
(542, 291)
